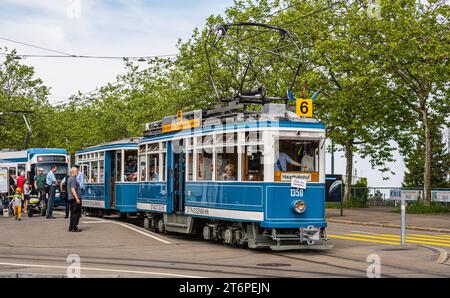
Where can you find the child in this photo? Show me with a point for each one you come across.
(17, 204)
(26, 195)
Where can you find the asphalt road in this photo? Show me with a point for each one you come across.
(112, 248)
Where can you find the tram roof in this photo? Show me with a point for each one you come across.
(127, 143)
(232, 117)
(12, 156)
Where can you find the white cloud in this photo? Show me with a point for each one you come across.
(119, 28)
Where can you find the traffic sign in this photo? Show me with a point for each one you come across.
(304, 107)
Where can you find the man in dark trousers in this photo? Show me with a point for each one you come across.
(74, 195)
(52, 184)
(39, 184)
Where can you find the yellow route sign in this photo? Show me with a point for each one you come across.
(180, 116)
(304, 107)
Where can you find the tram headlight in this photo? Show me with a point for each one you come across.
(299, 206)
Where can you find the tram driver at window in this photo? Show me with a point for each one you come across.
(284, 159)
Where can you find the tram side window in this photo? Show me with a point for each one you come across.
(130, 165)
(205, 165)
(226, 164)
(101, 176)
(153, 167)
(253, 163)
(118, 169)
(20, 169)
(94, 171)
(87, 173)
(142, 166)
(190, 165)
(164, 165)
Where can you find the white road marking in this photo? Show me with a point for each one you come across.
(102, 269)
(137, 230)
(145, 233)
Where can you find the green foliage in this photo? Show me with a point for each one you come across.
(420, 208)
(440, 161)
(21, 91)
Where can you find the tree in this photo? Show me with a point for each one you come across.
(411, 44)
(440, 161)
(21, 91)
(355, 105)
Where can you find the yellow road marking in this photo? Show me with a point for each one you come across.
(360, 239)
(445, 237)
(420, 238)
(394, 237)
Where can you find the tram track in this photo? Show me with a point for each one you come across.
(138, 263)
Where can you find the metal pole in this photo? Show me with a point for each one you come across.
(403, 215)
(342, 199)
(332, 158)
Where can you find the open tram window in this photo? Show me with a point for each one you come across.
(153, 167)
(296, 157)
(226, 164)
(130, 169)
(205, 165)
(253, 163)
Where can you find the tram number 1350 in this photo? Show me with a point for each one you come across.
(296, 192)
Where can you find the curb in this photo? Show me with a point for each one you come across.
(370, 224)
(442, 253)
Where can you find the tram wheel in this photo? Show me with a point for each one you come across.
(161, 227)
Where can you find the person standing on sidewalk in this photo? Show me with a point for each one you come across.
(74, 195)
(39, 185)
(63, 194)
(21, 181)
(17, 203)
(51, 183)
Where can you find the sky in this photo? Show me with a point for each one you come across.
(118, 28)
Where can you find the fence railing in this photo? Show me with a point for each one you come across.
(388, 196)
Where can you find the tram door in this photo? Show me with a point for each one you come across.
(115, 157)
(178, 176)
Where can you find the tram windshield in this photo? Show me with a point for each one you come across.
(296, 156)
(62, 169)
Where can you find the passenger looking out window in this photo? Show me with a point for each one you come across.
(229, 173)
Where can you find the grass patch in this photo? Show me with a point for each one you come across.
(419, 208)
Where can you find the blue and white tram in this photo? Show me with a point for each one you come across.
(110, 177)
(246, 178)
(29, 160)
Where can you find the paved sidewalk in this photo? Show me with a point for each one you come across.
(385, 217)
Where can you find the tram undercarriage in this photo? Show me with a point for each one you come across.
(240, 233)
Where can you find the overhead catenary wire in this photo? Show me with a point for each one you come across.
(68, 55)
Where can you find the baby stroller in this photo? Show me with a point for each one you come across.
(35, 205)
(6, 203)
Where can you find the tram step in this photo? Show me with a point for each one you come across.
(178, 225)
(112, 216)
